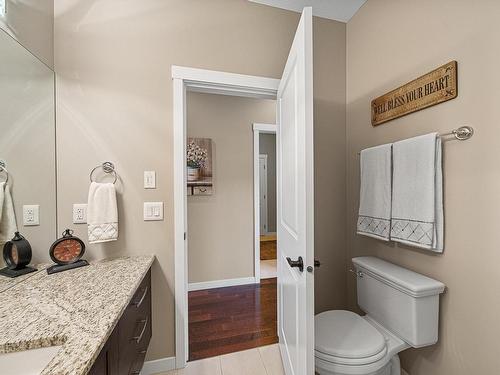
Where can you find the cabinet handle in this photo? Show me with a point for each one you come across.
(139, 303)
(138, 339)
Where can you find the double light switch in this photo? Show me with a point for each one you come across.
(153, 211)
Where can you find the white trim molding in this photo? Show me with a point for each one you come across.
(221, 283)
(213, 82)
(223, 83)
(265, 128)
(158, 365)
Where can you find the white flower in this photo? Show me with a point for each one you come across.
(196, 156)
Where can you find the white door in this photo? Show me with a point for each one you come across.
(295, 204)
(263, 193)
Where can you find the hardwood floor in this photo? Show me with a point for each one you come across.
(226, 320)
(267, 250)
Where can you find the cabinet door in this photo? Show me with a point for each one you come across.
(107, 361)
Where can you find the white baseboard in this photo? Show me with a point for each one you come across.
(158, 365)
(220, 283)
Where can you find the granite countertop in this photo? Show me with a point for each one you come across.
(77, 309)
(8, 282)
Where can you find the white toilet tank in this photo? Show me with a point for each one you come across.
(403, 301)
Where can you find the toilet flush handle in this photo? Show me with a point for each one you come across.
(357, 273)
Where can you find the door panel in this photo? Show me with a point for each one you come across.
(295, 204)
(289, 178)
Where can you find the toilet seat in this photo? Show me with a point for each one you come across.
(345, 338)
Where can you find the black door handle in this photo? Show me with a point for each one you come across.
(317, 263)
(296, 263)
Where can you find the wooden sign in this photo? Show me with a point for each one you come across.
(430, 89)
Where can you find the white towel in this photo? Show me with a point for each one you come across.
(417, 197)
(375, 193)
(102, 213)
(8, 225)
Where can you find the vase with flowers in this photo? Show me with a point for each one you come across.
(196, 159)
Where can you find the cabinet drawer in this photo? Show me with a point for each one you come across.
(135, 328)
(202, 190)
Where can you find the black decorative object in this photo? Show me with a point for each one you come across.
(17, 255)
(66, 252)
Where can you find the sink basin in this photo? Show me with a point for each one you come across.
(28, 362)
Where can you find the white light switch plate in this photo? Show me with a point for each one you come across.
(153, 211)
(80, 213)
(31, 215)
(149, 179)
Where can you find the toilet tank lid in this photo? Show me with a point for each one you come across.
(407, 281)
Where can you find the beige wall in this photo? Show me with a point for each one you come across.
(114, 96)
(329, 163)
(27, 140)
(221, 226)
(267, 146)
(390, 43)
(31, 22)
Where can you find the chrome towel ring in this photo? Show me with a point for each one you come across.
(108, 167)
(3, 169)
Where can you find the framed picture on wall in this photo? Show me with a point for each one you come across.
(199, 166)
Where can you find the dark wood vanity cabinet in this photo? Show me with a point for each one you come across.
(125, 350)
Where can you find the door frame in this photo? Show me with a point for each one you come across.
(258, 129)
(212, 82)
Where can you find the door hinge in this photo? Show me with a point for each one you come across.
(185, 236)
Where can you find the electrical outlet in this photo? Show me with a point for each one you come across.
(31, 215)
(79, 213)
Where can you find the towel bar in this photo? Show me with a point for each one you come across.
(462, 133)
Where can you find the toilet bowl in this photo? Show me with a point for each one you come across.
(402, 311)
(349, 344)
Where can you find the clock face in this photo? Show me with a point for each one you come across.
(14, 255)
(67, 251)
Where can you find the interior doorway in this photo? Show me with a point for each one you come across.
(229, 309)
(295, 163)
(263, 192)
(265, 201)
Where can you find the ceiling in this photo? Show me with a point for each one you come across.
(338, 10)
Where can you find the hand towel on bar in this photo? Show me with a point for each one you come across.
(8, 225)
(375, 192)
(417, 195)
(102, 213)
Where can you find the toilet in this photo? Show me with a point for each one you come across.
(402, 311)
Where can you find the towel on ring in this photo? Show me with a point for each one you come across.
(102, 213)
(8, 224)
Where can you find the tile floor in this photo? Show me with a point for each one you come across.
(268, 269)
(265, 360)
